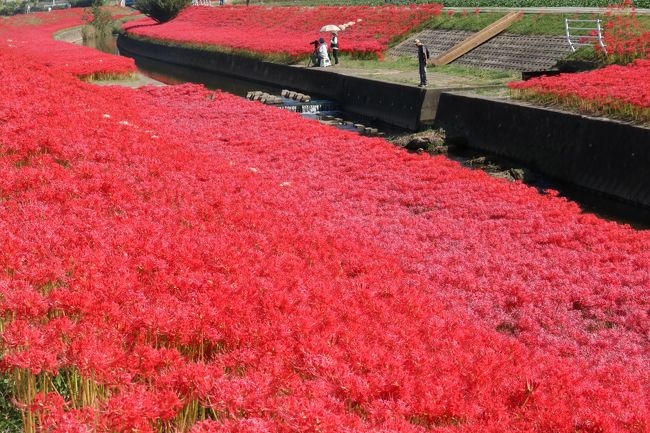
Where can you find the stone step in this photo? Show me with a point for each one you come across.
(504, 52)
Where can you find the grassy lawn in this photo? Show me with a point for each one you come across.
(411, 63)
(389, 63)
(530, 24)
(496, 76)
(404, 70)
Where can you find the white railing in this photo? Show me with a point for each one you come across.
(201, 3)
(583, 33)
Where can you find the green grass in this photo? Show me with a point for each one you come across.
(553, 24)
(482, 77)
(530, 24)
(10, 420)
(484, 74)
(471, 22)
(401, 63)
(407, 63)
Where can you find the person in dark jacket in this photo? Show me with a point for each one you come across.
(423, 57)
(334, 43)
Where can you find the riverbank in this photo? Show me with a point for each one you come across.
(405, 106)
(180, 259)
(121, 208)
(599, 154)
(414, 108)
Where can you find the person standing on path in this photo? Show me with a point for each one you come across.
(335, 47)
(423, 56)
(323, 57)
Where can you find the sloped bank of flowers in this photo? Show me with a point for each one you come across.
(174, 259)
(616, 91)
(286, 32)
(32, 35)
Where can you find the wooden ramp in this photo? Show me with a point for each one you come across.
(477, 39)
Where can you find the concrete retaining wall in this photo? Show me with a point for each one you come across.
(73, 35)
(405, 106)
(599, 154)
(503, 52)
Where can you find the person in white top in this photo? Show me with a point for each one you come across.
(335, 47)
(323, 56)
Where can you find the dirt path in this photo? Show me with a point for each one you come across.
(412, 77)
(443, 78)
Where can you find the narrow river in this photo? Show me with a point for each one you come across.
(603, 206)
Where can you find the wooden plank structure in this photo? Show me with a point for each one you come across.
(477, 39)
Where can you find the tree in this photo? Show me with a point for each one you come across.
(100, 18)
(161, 10)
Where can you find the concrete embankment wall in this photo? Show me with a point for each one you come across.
(405, 106)
(72, 35)
(599, 154)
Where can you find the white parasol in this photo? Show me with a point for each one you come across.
(330, 28)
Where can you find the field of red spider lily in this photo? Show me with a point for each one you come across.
(625, 36)
(617, 91)
(289, 30)
(32, 35)
(174, 259)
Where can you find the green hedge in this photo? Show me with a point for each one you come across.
(11, 8)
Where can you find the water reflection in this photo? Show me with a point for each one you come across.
(175, 74)
(105, 43)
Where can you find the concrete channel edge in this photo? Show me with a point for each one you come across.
(602, 155)
(408, 107)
